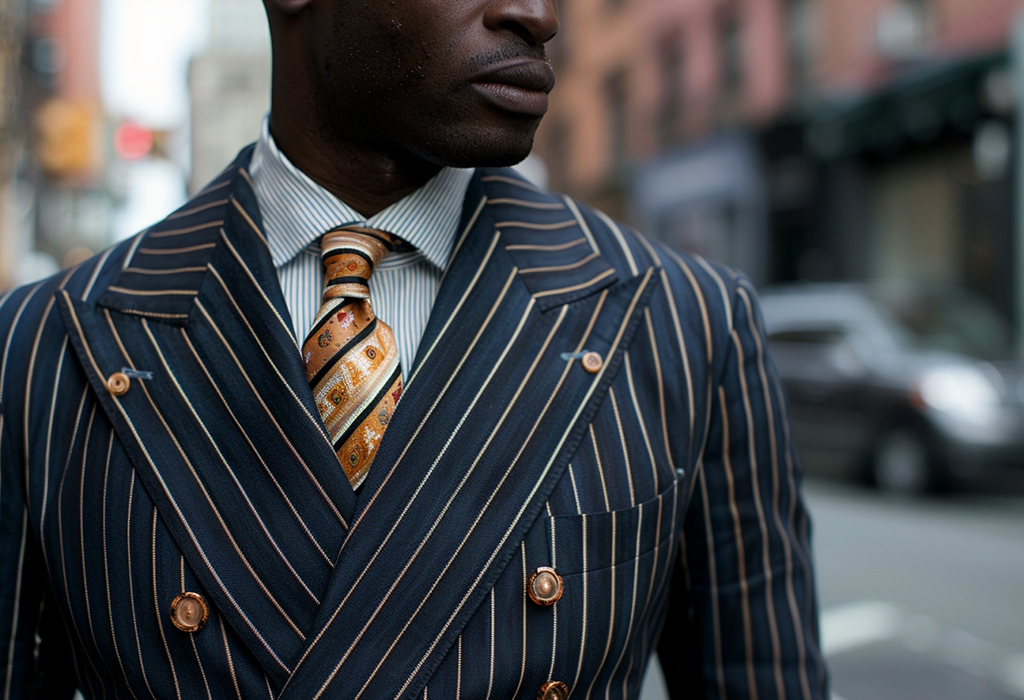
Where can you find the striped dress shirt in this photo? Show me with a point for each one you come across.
(297, 211)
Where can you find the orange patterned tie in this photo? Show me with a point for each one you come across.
(351, 356)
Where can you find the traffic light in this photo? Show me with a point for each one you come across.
(66, 138)
(132, 141)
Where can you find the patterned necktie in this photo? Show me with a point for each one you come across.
(351, 356)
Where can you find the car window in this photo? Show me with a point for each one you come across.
(815, 336)
(953, 320)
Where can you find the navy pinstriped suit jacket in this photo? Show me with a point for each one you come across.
(663, 488)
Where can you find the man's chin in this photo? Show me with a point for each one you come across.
(479, 148)
(494, 160)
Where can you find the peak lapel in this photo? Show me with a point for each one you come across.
(488, 421)
(224, 436)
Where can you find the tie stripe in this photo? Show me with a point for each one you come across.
(369, 406)
(329, 364)
(351, 357)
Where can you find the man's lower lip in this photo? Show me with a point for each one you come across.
(513, 98)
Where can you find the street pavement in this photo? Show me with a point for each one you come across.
(920, 600)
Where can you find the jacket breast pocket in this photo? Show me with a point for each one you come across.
(615, 569)
(590, 542)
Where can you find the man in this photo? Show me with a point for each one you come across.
(224, 473)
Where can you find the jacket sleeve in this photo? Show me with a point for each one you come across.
(743, 616)
(35, 659)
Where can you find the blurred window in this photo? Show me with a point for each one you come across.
(801, 44)
(823, 353)
(672, 88)
(903, 29)
(732, 54)
(615, 92)
(47, 56)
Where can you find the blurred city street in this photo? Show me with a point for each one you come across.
(921, 599)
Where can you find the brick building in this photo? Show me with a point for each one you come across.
(638, 80)
(229, 87)
(798, 139)
(12, 17)
(636, 77)
(62, 174)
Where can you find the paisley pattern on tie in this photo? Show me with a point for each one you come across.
(351, 357)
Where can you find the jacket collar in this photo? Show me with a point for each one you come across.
(297, 211)
(548, 238)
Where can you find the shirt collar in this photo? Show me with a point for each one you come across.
(296, 211)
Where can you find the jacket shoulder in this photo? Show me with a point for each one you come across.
(31, 330)
(697, 286)
(35, 355)
(24, 308)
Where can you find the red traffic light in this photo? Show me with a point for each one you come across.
(132, 142)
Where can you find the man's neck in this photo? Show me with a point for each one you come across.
(365, 179)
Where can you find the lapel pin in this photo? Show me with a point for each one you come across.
(136, 373)
(119, 383)
(591, 361)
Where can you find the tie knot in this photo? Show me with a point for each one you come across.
(350, 254)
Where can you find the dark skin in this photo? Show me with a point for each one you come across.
(371, 98)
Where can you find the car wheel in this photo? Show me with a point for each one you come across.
(901, 464)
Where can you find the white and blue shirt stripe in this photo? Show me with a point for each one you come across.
(297, 211)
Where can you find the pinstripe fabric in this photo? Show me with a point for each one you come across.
(296, 212)
(663, 488)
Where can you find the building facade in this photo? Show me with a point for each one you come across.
(651, 114)
(12, 19)
(799, 139)
(638, 77)
(229, 87)
(899, 168)
(61, 201)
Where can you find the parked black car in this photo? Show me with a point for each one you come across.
(915, 391)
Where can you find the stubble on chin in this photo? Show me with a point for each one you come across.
(398, 97)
